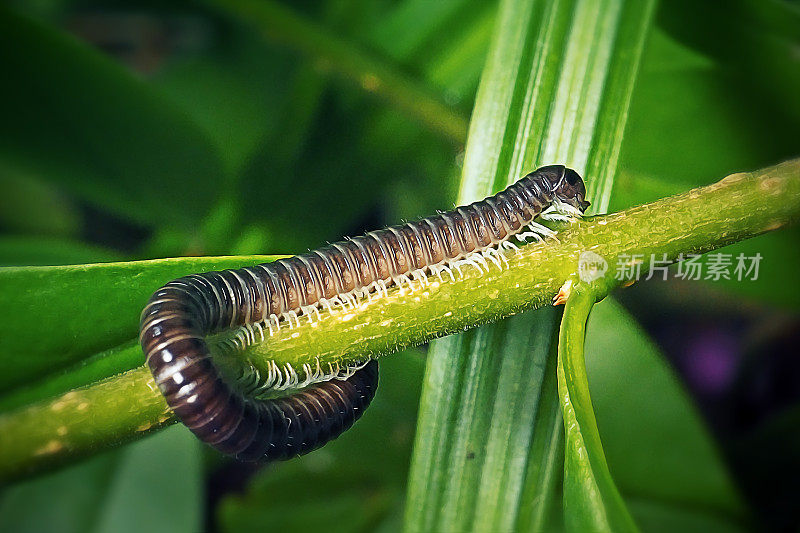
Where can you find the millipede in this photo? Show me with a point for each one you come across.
(241, 420)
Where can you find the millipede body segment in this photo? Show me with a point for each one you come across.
(234, 420)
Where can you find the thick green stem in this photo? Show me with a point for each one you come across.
(738, 207)
(79, 423)
(701, 220)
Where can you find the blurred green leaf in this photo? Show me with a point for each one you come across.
(445, 40)
(656, 517)
(331, 501)
(75, 118)
(454, 67)
(413, 24)
(721, 131)
(279, 178)
(689, 125)
(656, 444)
(353, 484)
(340, 57)
(246, 95)
(66, 501)
(780, 261)
(757, 39)
(316, 126)
(53, 316)
(301, 171)
(30, 206)
(119, 491)
(235, 92)
(44, 251)
(158, 486)
(451, 45)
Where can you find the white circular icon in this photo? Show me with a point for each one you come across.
(591, 266)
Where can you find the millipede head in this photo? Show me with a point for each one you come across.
(566, 184)
(574, 190)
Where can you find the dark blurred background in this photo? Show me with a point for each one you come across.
(137, 130)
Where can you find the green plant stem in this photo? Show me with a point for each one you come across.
(123, 407)
(694, 222)
(591, 499)
(79, 423)
(331, 53)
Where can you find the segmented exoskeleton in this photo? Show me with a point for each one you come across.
(180, 315)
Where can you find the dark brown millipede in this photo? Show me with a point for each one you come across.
(181, 314)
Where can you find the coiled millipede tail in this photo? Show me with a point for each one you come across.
(180, 315)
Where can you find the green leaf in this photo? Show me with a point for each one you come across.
(478, 417)
(453, 67)
(282, 25)
(77, 119)
(555, 88)
(82, 309)
(46, 251)
(414, 23)
(592, 501)
(122, 491)
(656, 517)
(234, 92)
(727, 139)
(258, 110)
(30, 206)
(756, 39)
(780, 261)
(158, 486)
(449, 39)
(70, 497)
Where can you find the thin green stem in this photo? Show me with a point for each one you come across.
(738, 207)
(591, 499)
